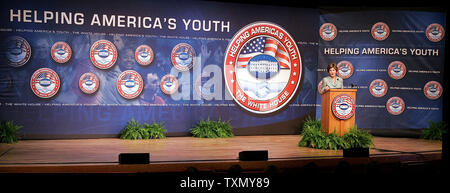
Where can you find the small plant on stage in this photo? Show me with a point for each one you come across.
(212, 129)
(357, 138)
(434, 130)
(8, 132)
(134, 130)
(312, 136)
(156, 130)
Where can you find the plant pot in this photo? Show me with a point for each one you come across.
(356, 152)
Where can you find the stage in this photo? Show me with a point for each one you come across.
(181, 154)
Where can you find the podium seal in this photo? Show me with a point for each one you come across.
(343, 106)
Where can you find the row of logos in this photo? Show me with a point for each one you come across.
(380, 31)
(103, 54)
(396, 69)
(378, 88)
(45, 83)
(343, 106)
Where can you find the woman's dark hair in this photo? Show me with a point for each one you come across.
(332, 65)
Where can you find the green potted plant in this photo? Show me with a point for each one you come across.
(435, 131)
(134, 130)
(357, 142)
(8, 132)
(212, 129)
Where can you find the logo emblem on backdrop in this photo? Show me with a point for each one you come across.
(103, 54)
(395, 106)
(262, 67)
(435, 32)
(183, 56)
(144, 55)
(130, 84)
(61, 52)
(169, 84)
(343, 106)
(378, 88)
(397, 70)
(345, 69)
(380, 31)
(89, 83)
(45, 83)
(328, 31)
(18, 51)
(432, 90)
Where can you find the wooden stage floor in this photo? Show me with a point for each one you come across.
(177, 154)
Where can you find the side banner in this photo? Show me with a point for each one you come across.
(394, 58)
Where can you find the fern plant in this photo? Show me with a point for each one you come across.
(312, 136)
(212, 129)
(155, 130)
(134, 130)
(8, 132)
(356, 138)
(434, 130)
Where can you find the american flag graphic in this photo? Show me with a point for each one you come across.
(264, 45)
(105, 47)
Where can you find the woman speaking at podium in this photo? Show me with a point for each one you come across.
(331, 81)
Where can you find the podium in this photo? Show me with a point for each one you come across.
(338, 110)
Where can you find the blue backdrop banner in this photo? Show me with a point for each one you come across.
(69, 68)
(394, 58)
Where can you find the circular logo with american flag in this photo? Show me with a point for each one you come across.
(435, 32)
(89, 83)
(343, 106)
(262, 67)
(397, 70)
(130, 84)
(395, 106)
(380, 31)
(18, 51)
(432, 90)
(378, 88)
(328, 31)
(45, 83)
(183, 56)
(345, 69)
(61, 52)
(103, 54)
(169, 84)
(144, 55)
